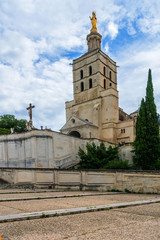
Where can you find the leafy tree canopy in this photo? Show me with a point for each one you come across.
(9, 121)
(4, 131)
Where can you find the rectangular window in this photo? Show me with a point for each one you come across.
(123, 130)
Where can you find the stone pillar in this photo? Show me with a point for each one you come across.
(56, 179)
(94, 41)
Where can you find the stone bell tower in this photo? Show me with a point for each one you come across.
(94, 112)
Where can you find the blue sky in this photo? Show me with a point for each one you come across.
(38, 40)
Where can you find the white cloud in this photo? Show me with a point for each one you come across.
(112, 30)
(131, 30)
(38, 40)
(106, 48)
(133, 74)
(149, 25)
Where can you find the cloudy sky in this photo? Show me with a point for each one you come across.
(40, 38)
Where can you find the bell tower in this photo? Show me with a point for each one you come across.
(95, 105)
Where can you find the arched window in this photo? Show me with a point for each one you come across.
(110, 75)
(82, 86)
(123, 131)
(90, 83)
(104, 71)
(90, 70)
(104, 83)
(75, 134)
(110, 84)
(81, 74)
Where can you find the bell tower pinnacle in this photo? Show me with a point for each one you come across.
(94, 38)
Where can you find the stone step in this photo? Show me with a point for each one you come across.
(52, 197)
(61, 212)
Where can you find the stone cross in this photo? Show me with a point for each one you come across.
(30, 123)
(30, 111)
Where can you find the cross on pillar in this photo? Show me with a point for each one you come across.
(30, 111)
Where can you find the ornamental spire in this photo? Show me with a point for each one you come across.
(94, 38)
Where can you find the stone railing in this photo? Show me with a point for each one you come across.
(134, 181)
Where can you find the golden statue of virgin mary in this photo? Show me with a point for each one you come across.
(94, 22)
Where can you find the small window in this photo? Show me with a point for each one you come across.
(122, 130)
(110, 84)
(110, 75)
(82, 86)
(90, 71)
(90, 83)
(81, 74)
(104, 83)
(73, 120)
(104, 71)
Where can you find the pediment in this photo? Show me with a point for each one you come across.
(74, 122)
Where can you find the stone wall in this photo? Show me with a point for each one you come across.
(125, 152)
(145, 182)
(40, 149)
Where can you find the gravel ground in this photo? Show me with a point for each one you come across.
(62, 203)
(131, 223)
(51, 204)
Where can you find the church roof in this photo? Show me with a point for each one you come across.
(93, 51)
(79, 122)
(135, 111)
(86, 121)
(138, 111)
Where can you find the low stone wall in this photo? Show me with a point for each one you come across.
(40, 149)
(145, 182)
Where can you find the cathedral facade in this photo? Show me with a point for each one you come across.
(94, 112)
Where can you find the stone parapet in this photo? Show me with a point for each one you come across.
(101, 180)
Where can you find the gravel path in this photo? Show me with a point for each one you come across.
(51, 204)
(62, 203)
(132, 223)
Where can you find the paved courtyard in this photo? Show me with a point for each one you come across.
(136, 222)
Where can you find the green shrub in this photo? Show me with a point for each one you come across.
(96, 157)
(117, 164)
(156, 166)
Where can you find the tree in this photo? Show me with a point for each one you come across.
(9, 121)
(4, 131)
(97, 157)
(146, 144)
(140, 144)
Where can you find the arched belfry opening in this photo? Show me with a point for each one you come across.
(90, 83)
(82, 86)
(81, 74)
(90, 70)
(75, 134)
